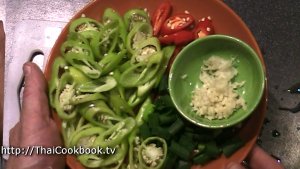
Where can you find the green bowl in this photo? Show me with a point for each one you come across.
(188, 63)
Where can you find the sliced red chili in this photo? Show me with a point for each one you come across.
(160, 15)
(204, 27)
(178, 38)
(177, 23)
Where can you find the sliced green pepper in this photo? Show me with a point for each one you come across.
(85, 138)
(142, 90)
(77, 75)
(110, 61)
(140, 32)
(145, 88)
(68, 129)
(113, 160)
(102, 84)
(59, 63)
(87, 27)
(118, 104)
(134, 99)
(106, 41)
(126, 65)
(87, 65)
(134, 143)
(111, 15)
(134, 16)
(74, 36)
(64, 93)
(145, 50)
(142, 72)
(98, 113)
(116, 134)
(76, 47)
(109, 161)
(83, 98)
(152, 153)
(117, 75)
(143, 113)
(90, 160)
(167, 54)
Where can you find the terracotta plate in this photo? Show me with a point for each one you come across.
(225, 22)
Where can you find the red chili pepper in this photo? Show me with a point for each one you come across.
(179, 38)
(204, 27)
(160, 15)
(177, 23)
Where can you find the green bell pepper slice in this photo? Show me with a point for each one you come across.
(134, 16)
(142, 72)
(134, 143)
(113, 160)
(64, 93)
(126, 65)
(135, 100)
(111, 15)
(109, 161)
(74, 36)
(99, 114)
(59, 63)
(167, 54)
(121, 89)
(86, 137)
(68, 130)
(111, 61)
(116, 134)
(85, 64)
(76, 47)
(106, 41)
(145, 50)
(152, 153)
(83, 98)
(87, 27)
(78, 78)
(118, 104)
(145, 110)
(90, 160)
(145, 88)
(140, 32)
(77, 75)
(102, 84)
(71, 127)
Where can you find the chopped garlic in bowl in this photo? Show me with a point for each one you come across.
(216, 81)
(217, 97)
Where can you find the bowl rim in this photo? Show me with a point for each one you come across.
(260, 92)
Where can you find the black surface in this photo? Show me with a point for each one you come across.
(276, 27)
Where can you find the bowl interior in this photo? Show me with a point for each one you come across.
(188, 63)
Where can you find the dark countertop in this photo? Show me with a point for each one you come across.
(276, 26)
(274, 23)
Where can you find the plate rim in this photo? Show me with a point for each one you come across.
(264, 99)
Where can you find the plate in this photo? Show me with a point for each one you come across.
(225, 22)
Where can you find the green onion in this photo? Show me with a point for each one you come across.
(179, 150)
